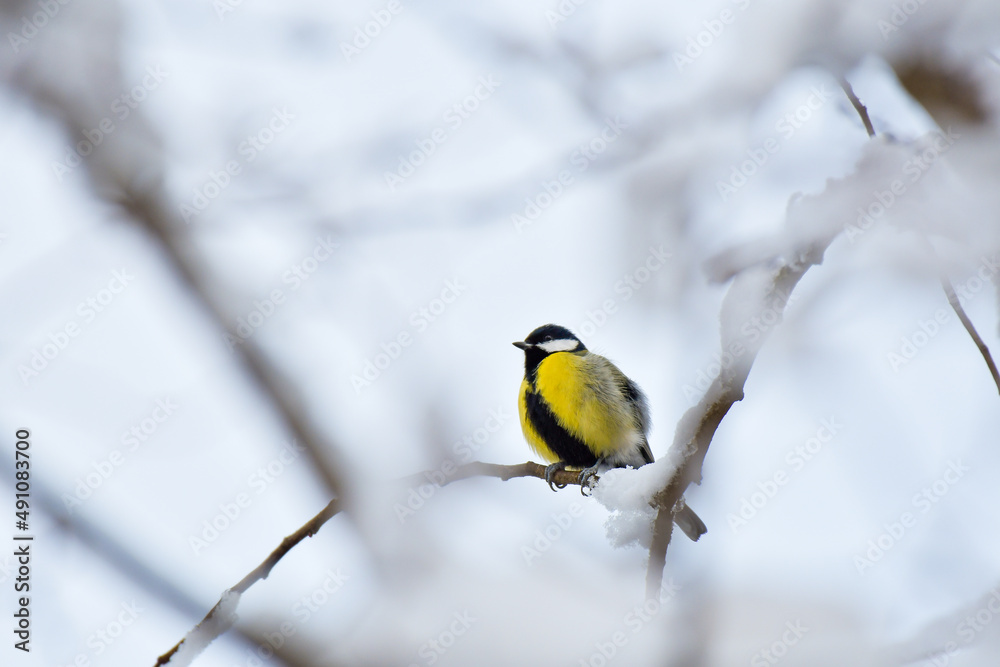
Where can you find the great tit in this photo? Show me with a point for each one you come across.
(578, 410)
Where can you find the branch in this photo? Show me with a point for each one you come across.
(504, 472)
(949, 290)
(128, 170)
(956, 305)
(858, 106)
(698, 425)
(221, 616)
(148, 209)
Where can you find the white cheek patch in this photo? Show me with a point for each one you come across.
(561, 345)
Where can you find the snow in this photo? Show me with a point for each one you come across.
(598, 145)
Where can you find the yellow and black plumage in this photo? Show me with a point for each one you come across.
(578, 409)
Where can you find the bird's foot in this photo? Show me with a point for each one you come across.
(551, 470)
(586, 475)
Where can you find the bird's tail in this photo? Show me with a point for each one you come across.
(690, 523)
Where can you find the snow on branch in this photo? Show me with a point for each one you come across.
(753, 307)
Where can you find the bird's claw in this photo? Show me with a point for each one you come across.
(586, 475)
(551, 470)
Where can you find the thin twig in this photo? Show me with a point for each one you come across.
(504, 472)
(949, 289)
(858, 106)
(956, 305)
(475, 469)
(264, 569)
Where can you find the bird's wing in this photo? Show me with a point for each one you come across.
(640, 410)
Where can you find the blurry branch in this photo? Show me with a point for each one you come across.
(956, 305)
(127, 168)
(698, 425)
(148, 209)
(935, 640)
(930, 75)
(949, 290)
(858, 106)
(118, 556)
(221, 616)
(946, 89)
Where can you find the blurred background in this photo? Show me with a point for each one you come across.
(256, 254)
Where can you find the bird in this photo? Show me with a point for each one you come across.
(577, 409)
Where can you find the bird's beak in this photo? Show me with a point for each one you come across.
(522, 345)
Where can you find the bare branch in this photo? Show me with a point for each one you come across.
(220, 618)
(212, 626)
(956, 305)
(127, 169)
(949, 290)
(858, 106)
(504, 472)
(698, 425)
(148, 210)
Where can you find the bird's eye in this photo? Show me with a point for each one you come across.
(548, 338)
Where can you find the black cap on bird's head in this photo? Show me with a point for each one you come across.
(546, 340)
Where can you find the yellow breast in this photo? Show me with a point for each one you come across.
(586, 400)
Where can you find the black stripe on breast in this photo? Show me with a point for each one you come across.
(564, 444)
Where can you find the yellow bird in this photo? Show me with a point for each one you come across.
(578, 410)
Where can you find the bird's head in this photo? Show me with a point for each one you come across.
(546, 340)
